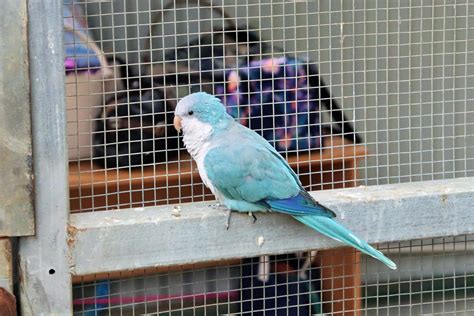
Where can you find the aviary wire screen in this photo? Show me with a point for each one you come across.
(350, 92)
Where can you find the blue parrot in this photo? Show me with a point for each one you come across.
(247, 174)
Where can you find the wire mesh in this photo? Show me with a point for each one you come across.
(361, 92)
(396, 72)
(435, 277)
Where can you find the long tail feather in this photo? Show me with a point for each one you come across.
(332, 229)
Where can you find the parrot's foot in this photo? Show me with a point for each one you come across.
(218, 206)
(254, 217)
(227, 221)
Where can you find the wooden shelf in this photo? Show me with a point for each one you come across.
(95, 188)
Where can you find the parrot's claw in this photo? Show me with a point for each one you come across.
(254, 217)
(218, 206)
(227, 221)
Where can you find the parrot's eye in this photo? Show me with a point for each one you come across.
(190, 112)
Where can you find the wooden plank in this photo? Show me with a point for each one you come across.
(151, 237)
(341, 281)
(16, 209)
(45, 281)
(92, 187)
(340, 268)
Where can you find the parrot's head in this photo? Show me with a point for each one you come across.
(200, 112)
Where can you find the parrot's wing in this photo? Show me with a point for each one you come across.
(262, 143)
(250, 173)
(253, 171)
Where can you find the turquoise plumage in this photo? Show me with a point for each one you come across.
(247, 174)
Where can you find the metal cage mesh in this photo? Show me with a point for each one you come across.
(435, 277)
(382, 88)
(396, 72)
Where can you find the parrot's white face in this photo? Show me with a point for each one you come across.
(190, 125)
(195, 131)
(197, 116)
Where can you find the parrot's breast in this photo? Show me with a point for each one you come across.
(199, 158)
(197, 136)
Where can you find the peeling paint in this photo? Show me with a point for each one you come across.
(6, 273)
(50, 39)
(7, 257)
(444, 197)
(71, 236)
(176, 212)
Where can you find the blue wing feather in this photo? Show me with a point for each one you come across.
(302, 204)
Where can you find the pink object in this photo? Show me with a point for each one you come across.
(69, 63)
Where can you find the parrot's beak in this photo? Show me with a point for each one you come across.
(177, 123)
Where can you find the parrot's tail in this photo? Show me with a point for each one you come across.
(329, 227)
